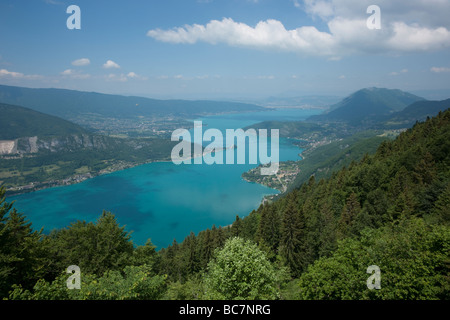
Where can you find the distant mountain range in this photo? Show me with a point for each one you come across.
(367, 105)
(18, 122)
(418, 111)
(69, 104)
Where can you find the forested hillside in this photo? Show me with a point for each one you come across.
(391, 210)
(17, 122)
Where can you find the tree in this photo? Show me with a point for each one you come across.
(236, 227)
(131, 283)
(350, 211)
(269, 232)
(191, 259)
(23, 255)
(146, 255)
(94, 247)
(293, 235)
(412, 256)
(240, 270)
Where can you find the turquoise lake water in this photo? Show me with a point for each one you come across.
(163, 201)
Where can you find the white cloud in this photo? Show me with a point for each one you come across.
(269, 34)
(133, 75)
(415, 38)
(345, 36)
(296, 3)
(111, 65)
(428, 13)
(115, 77)
(321, 8)
(67, 72)
(74, 74)
(439, 69)
(404, 28)
(81, 62)
(18, 75)
(124, 77)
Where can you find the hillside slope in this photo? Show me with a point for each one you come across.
(417, 111)
(368, 103)
(18, 122)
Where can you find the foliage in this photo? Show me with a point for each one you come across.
(94, 247)
(21, 249)
(134, 283)
(240, 271)
(413, 259)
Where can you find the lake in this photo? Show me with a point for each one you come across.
(162, 201)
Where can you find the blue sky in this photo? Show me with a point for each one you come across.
(227, 48)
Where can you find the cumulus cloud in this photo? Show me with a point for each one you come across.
(427, 13)
(110, 65)
(18, 75)
(408, 29)
(81, 62)
(270, 34)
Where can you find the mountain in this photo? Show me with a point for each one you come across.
(18, 122)
(418, 111)
(69, 104)
(367, 104)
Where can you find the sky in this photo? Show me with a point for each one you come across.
(227, 49)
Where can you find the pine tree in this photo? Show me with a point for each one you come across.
(206, 248)
(191, 259)
(236, 227)
(292, 244)
(269, 232)
(23, 256)
(351, 209)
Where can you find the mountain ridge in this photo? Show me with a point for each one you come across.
(68, 104)
(367, 103)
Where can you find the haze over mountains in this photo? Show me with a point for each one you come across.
(69, 104)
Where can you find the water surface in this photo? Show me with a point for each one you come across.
(163, 201)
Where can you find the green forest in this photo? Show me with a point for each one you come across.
(391, 209)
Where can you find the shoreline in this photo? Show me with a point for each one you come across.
(78, 178)
(71, 180)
